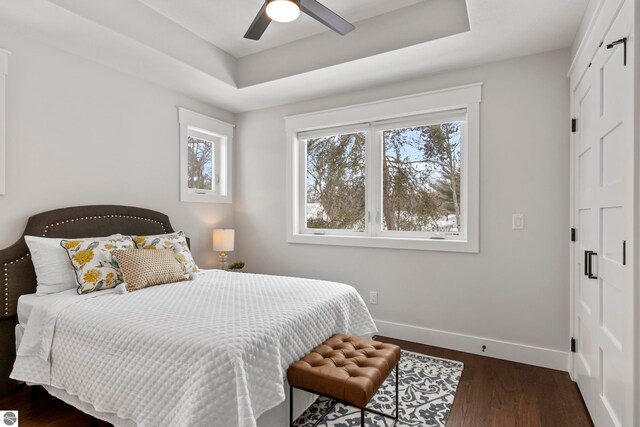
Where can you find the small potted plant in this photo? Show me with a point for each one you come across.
(236, 266)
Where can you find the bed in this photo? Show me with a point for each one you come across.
(210, 351)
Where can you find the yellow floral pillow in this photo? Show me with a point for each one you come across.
(176, 241)
(93, 262)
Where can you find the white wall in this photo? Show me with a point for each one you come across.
(516, 289)
(79, 133)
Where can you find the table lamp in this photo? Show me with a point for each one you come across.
(223, 242)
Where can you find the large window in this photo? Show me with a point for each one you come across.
(205, 156)
(407, 182)
(413, 170)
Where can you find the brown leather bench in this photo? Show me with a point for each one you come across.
(346, 369)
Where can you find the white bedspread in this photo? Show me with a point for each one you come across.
(209, 352)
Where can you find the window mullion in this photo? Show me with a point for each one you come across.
(217, 172)
(302, 188)
(368, 201)
(374, 181)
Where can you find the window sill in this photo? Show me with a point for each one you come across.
(205, 198)
(387, 243)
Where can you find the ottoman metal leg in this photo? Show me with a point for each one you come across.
(290, 406)
(397, 406)
(362, 417)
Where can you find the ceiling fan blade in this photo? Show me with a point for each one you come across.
(326, 16)
(259, 24)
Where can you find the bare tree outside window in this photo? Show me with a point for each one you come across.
(200, 163)
(421, 178)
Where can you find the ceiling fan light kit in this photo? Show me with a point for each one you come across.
(283, 10)
(289, 10)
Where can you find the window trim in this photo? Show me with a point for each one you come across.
(223, 156)
(4, 71)
(466, 97)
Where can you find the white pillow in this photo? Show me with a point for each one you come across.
(54, 272)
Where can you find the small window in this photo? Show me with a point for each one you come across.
(205, 158)
(202, 172)
(408, 182)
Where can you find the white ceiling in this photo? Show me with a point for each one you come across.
(196, 46)
(224, 23)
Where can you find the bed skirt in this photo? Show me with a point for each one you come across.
(278, 416)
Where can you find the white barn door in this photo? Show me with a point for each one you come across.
(603, 215)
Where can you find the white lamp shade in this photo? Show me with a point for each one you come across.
(223, 239)
(283, 10)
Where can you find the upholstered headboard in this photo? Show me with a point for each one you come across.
(18, 276)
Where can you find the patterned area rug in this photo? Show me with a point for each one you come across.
(427, 389)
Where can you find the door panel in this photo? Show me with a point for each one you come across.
(611, 69)
(612, 148)
(612, 386)
(585, 165)
(612, 234)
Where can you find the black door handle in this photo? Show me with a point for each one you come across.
(586, 262)
(589, 264)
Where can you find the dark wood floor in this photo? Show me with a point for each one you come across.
(491, 393)
(495, 392)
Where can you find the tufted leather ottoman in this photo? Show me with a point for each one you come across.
(347, 369)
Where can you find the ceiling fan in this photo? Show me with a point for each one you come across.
(289, 10)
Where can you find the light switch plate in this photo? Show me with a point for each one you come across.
(517, 221)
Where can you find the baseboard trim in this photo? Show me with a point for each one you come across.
(530, 355)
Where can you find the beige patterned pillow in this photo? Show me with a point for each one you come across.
(176, 241)
(142, 268)
(93, 263)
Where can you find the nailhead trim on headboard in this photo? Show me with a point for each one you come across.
(19, 275)
(85, 218)
(6, 282)
(10, 265)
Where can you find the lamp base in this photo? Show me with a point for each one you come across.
(224, 265)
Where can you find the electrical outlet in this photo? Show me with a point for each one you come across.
(373, 298)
